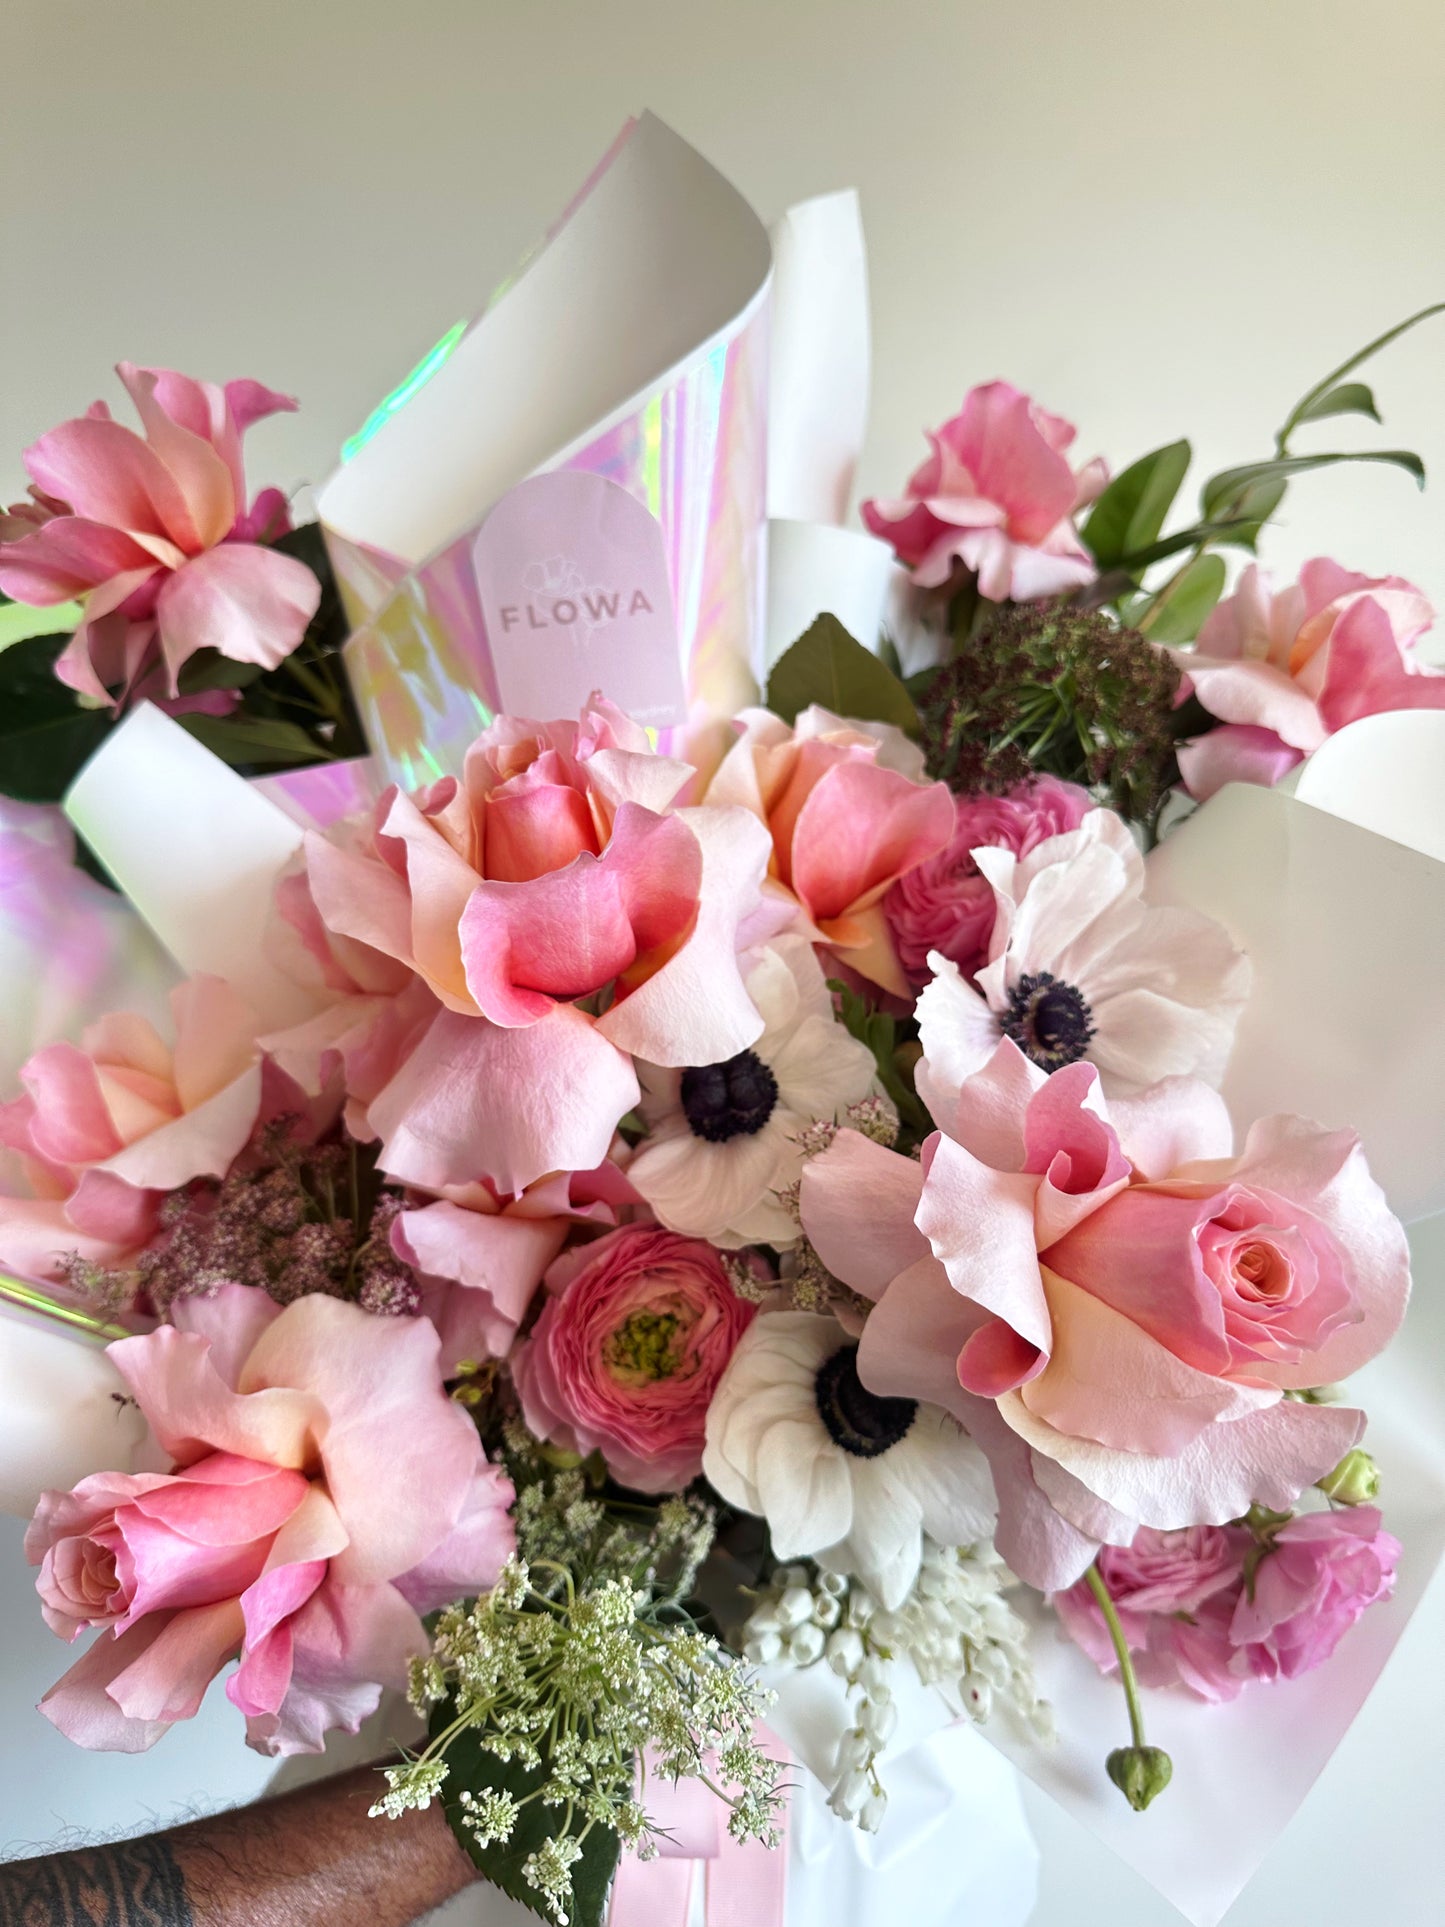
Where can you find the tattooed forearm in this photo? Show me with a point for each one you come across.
(306, 1859)
(136, 1883)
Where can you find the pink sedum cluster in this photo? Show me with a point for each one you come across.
(997, 496)
(946, 903)
(269, 1538)
(1283, 669)
(1211, 1609)
(153, 533)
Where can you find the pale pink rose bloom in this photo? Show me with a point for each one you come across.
(1106, 1297)
(106, 1127)
(998, 495)
(1284, 669)
(480, 1257)
(946, 903)
(633, 1339)
(848, 812)
(1324, 1570)
(552, 871)
(1175, 1594)
(154, 533)
(1080, 966)
(325, 1493)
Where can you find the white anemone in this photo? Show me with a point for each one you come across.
(841, 1476)
(723, 1138)
(1080, 966)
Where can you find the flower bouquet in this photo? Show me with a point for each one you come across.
(676, 1233)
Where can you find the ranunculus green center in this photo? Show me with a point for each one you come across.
(647, 1346)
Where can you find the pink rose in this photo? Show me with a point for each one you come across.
(945, 903)
(1107, 1298)
(1322, 1571)
(849, 813)
(106, 1127)
(1283, 670)
(552, 875)
(325, 1493)
(154, 534)
(625, 1358)
(998, 495)
(1175, 1594)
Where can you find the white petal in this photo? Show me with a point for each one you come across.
(697, 1187)
(821, 1069)
(885, 1543)
(949, 1477)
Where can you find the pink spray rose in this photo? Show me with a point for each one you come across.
(1322, 1571)
(325, 1492)
(1175, 1594)
(106, 1127)
(1284, 669)
(1190, 1616)
(849, 812)
(625, 1358)
(998, 495)
(153, 532)
(1109, 1298)
(554, 871)
(945, 903)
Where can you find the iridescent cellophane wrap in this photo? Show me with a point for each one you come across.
(691, 446)
(695, 453)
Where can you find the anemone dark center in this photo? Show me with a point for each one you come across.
(857, 1419)
(1049, 1021)
(734, 1099)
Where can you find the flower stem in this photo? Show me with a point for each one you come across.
(1121, 1651)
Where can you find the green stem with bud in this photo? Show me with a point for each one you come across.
(1127, 1677)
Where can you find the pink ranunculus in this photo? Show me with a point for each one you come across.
(153, 532)
(107, 1126)
(998, 495)
(1175, 1595)
(553, 874)
(849, 812)
(1284, 669)
(946, 903)
(632, 1341)
(480, 1257)
(325, 1492)
(1322, 1570)
(1108, 1298)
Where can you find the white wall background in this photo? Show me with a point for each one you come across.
(1159, 218)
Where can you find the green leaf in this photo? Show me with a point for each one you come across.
(242, 741)
(45, 733)
(209, 669)
(1349, 398)
(1219, 491)
(1177, 613)
(477, 1770)
(826, 665)
(1300, 411)
(1131, 511)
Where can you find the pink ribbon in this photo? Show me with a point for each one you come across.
(745, 1883)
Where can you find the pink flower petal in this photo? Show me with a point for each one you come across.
(108, 474)
(1235, 753)
(471, 1558)
(488, 1268)
(250, 604)
(347, 1642)
(475, 1100)
(202, 474)
(980, 1224)
(860, 828)
(389, 1426)
(572, 932)
(68, 557)
(695, 1008)
(192, 1411)
(858, 1201)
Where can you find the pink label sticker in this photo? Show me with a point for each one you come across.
(572, 576)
